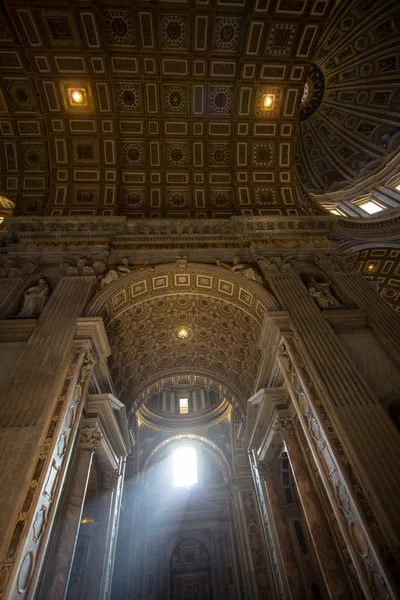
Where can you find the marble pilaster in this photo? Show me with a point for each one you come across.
(289, 569)
(11, 291)
(55, 584)
(366, 433)
(325, 549)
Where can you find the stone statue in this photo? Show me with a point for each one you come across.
(124, 268)
(121, 271)
(322, 294)
(34, 300)
(242, 268)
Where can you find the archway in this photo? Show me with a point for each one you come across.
(222, 314)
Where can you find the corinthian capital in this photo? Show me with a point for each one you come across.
(283, 427)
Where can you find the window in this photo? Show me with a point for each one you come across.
(370, 207)
(183, 406)
(185, 467)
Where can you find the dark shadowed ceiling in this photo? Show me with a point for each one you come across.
(173, 122)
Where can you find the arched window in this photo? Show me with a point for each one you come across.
(185, 466)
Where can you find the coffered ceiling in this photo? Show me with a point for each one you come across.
(157, 109)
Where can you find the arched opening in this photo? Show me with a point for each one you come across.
(185, 396)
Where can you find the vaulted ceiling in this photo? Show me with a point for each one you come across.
(188, 108)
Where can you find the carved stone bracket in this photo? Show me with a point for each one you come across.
(270, 263)
(15, 267)
(334, 262)
(90, 438)
(110, 479)
(181, 262)
(265, 469)
(85, 266)
(283, 426)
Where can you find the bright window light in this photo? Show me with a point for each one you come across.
(185, 467)
(397, 187)
(371, 208)
(183, 406)
(335, 212)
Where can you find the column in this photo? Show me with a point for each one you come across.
(325, 549)
(11, 290)
(289, 569)
(61, 555)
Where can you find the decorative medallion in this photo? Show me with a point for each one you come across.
(266, 196)
(176, 98)
(221, 198)
(178, 199)
(132, 198)
(263, 155)
(128, 97)
(280, 39)
(220, 100)
(61, 28)
(120, 28)
(174, 31)
(133, 154)
(227, 34)
(86, 196)
(219, 155)
(176, 155)
(33, 157)
(31, 205)
(21, 95)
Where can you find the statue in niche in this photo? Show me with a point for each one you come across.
(34, 300)
(242, 268)
(322, 294)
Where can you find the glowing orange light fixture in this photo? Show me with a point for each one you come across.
(268, 101)
(77, 96)
(371, 267)
(183, 334)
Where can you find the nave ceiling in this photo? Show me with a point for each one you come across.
(174, 119)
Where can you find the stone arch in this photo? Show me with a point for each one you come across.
(199, 441)
(223, 312)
